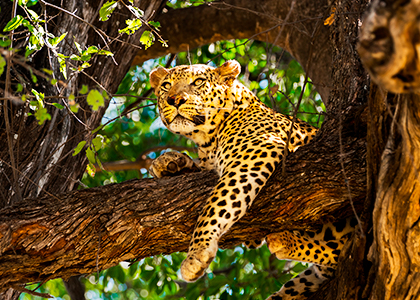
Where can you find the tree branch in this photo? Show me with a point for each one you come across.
(63, 236)
(189, 28)
(389, 45)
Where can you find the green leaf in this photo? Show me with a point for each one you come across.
(39, 96)
(77, 46)
(105, 95)
(4, 41)
(106, 10)
(33, 14)
(136, 11)
(59, 106)
(42, 115)
(62, 56)
(95, 99)
(28, 25)
(84, 89)
(86, 57)
(133, 26)
(53, 81)
(62, 62)
(55, 41)
(90, 154)
(92, 49)
(105, 52)
(75, 57)
(97, 142)
(13, 23)
(19, 87)
(47, 71)
(34, 78)
(85, 65)
(147, 38)
(35, 104)
(79, 148)
(154, 24)
(74, 108)
(97, 129)
(2, 64)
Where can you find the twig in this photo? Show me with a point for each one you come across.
(97, 30)
(6, 117)
(33, 293)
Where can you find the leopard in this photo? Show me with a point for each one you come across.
(243, 141)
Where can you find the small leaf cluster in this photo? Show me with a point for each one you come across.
(148, 36)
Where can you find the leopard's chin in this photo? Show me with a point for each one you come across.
(181, 125)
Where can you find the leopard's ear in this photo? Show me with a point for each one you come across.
(229, 71)
(156, 76)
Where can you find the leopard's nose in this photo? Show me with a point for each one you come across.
(176, 101)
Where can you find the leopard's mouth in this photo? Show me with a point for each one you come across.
(196, 119)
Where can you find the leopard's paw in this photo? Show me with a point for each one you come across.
(196, 263)
(172, 164)
(279, 244)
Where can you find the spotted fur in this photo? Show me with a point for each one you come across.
(237, 136)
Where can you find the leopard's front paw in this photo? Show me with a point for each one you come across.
(278, 244)
(196, 263)
(172, 164)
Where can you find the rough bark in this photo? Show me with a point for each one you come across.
(390, 45)
(382, 261)
(296, 26)
(78, 232)
(396, 249)
(393, 61)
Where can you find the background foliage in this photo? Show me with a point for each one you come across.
(270, 73)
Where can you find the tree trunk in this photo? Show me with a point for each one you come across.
(383, 260)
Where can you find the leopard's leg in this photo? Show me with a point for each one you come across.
(322, 248)
(304, 284)
(235, 191)
(293, 245)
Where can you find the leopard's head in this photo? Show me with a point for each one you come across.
(196, 98)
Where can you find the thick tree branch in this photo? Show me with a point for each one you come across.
(62, 236)
(186, 29)
(390, 44)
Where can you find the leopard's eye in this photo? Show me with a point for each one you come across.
(198, 82)
(165, 86)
